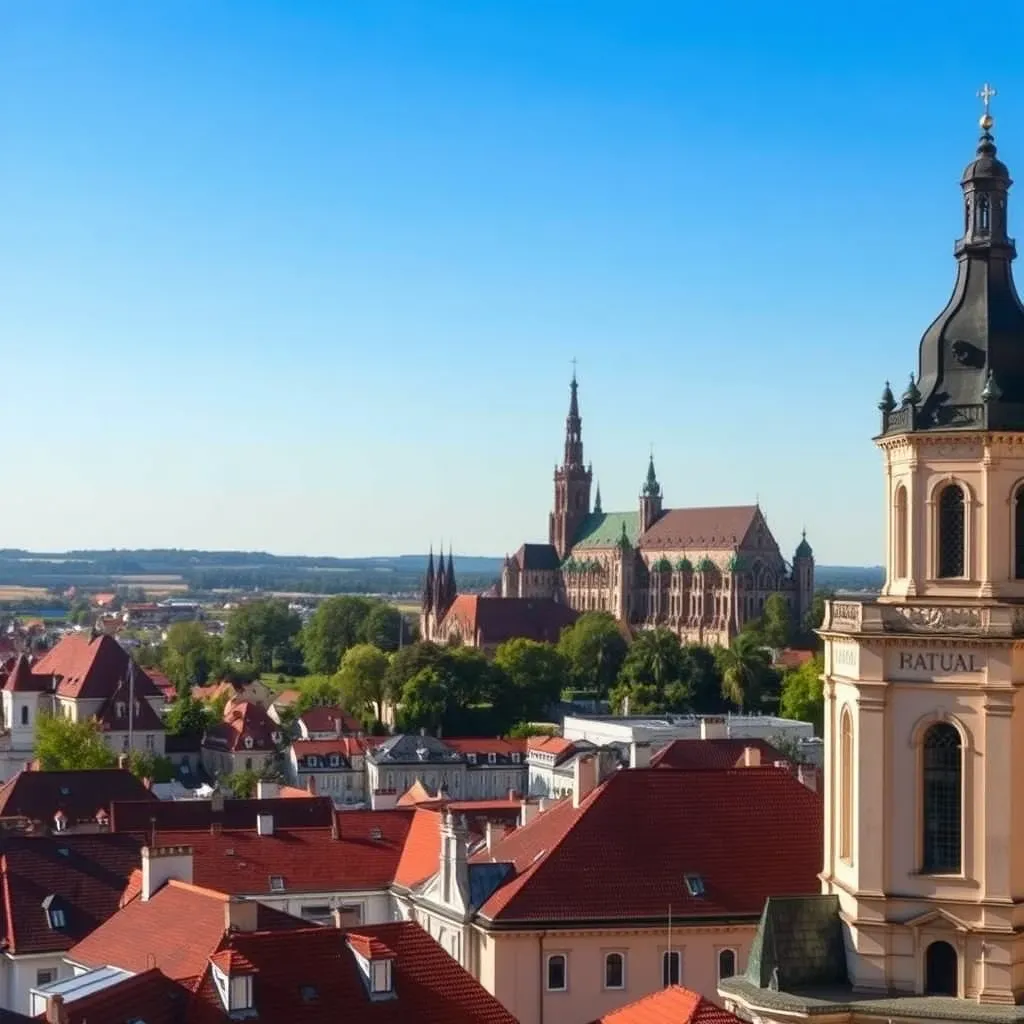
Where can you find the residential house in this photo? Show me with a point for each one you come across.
(332, 767)
(246, 739)
(55, 890)
(254, 691)
(282, 703)
(645, 879)
(495, 768)
(732, 753)
(242, 961)
(551, 764)
(672, 1005)
(323, 722)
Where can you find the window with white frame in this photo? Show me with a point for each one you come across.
(150, 741)
(558, 972)
(380, 977)
(671, 967)
(492, 758)
(45, 976)
(614, 970)
(726, 963)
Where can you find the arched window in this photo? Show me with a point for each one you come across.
(671, 968)
(614, 971)
(899, 525)
(983, 214)
(942, 797)
(24, 714)
(846, 785)
(951, 532)
(726, 963)
(1018, 534)
(941, 970)
(558, 975)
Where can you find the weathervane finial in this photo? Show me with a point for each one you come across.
(985, 94)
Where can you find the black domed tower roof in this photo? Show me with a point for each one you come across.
(971, 366)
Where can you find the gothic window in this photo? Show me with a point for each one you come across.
(899, 525)
(941, 970)
(1018, 534)
(942, 798)
(951, 532)
(846, 785)
(983, 214)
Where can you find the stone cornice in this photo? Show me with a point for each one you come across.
(861, 619)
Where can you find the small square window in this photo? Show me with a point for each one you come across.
(558, 974)
(694, 885)
(277, 883)
(45, 976)
(471, 758)
(492, 758)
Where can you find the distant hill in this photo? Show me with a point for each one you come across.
(204, 571)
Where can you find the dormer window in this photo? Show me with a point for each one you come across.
(277, 883)
(471, 758)
(381, 981)
(516, 758)
(492, 758)
(232, 976)
(694, 885)
(376, 964)
(335, 760)
(56, 916)
(247, 742)
(312, 762)
(121, 709)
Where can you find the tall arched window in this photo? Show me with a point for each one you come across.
(1018, 534)
(614, 971)
(899, 525)
(726, 963)
(942, 799)
(951, 532)
(940, 970)
(983, 214)
(846, 785)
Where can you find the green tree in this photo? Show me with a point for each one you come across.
(705, 679)
(65, 745)
(642, 698)
(81, 612)
(536, 674)
(262, 632)
(386, 627)
(425, 701)
(777, 622)
(363, 680)
(410, 660)
(524, 730)
(241, 785)
(338, 624)
(814, 618)
(595, 649)
(187, 716)
(316, 691)
(745, 670)
(190, 654)
(144, 765)
(803, 695)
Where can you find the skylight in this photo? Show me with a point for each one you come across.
(309, 993)
(694, 884)
(277, 883)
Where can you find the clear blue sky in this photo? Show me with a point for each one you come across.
(308, 276)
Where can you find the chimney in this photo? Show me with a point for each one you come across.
(336, 918)
(337, 726)
(162, 863)
(454, 863)
(241, 915)
(584, 777)
(713, 727)
(808, 775)
(264, 824)
(493, 834)
(527, 812)
(217, 801)
(266, 790)
(751, 757)
(311, 785)
(639, 755)
(56, 1011)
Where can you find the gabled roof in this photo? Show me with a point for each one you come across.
(312, 977)
(486, 745)
(714, 753)
(537, 558)
(604, 530)
(710, 529)
(346, 747)
(177, 930)
(329, 719)
(150, 997)
(118, 713)
(38, 795)
(21, 679)
(626, 851)
(243, 720)
(91, 667)
(422, 849)
(140, 818)
(82, 875)
(673, 1005)
(489, 621)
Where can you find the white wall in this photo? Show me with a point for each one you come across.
(376, 906)
(19, 977)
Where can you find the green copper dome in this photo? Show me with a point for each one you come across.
(705, 565)
(684, 565)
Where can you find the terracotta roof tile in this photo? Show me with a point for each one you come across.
(422, 849)
(714, 753)
(369, 946)
(304, 977)
(177, 930)
(150, 996)
(243, 720)
(709, 529)
(550, 744)
(21, 679)
(329, 719)
(91, 667)
(141, 818)
(38, 795)
(674, 1005)
(230, 961)
(626, 852)
(345, 746)
(486, 745)
(493, 620)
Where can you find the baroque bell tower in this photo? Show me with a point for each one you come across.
(572, 481)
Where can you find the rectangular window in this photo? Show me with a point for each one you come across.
(241, 993)
(319, 913)
(492, 758)
(45, 976)
(351, 915)
(150, 741)
(671, 967)
(277, 883)
(381, 975)
(558, 974)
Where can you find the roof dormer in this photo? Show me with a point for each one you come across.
(232, 976)
(376, 963)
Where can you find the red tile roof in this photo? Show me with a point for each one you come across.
(344, 746)
(150, 996)
(626, 851)
(230, 961)
(790, 657)
(162, 683)
(329, 719)
(177, 930)
(116, 714)
(85, 874)
(706, 528)
(369, 946)
(422, 849)
(493, 620)
(91, 667)
(38, 795)
(674, 1005)
(715, 753)
(173, 815)
(21, 679)
(243, 720)
(556, 745)
(486, 745)
(310, 977)
(307, 860)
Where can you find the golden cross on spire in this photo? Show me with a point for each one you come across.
(985, 94)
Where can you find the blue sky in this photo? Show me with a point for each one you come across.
(308, 276)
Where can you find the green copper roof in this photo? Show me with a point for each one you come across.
(604, 529)
(705, 565)
(684, 565)
(662, 565)
(798, 943)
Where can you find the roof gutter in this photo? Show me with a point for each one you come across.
(574, 924)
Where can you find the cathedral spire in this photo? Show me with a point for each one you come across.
(971, 359)
(651, 489)
(597, 500)
(440, 585)
(451, 590)
(427, 601)
(573, 455)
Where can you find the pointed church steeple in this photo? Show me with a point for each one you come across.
(572, 480)
(451, 590)
(597, 501)
(573, 454)
(971, 359)
(650, 497)
(427, 601)
(440, 586)
(651, 489)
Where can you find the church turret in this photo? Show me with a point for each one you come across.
(597, 501)
(572, 481)
(803, 577)
(450, 589)
(440, 588)
(427, 601)
(650, 498)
